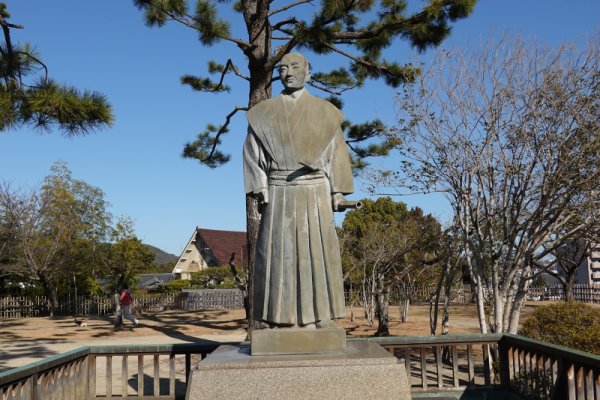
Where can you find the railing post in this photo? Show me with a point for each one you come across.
(561, 388)
(504, 349)
(91, 377)
(35, 391)
(140, 382)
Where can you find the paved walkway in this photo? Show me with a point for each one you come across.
(14, 354)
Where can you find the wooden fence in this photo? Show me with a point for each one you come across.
(38, 306)
(581, 292)
(416, 294)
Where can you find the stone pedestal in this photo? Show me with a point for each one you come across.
(270, 342)
(364, 371)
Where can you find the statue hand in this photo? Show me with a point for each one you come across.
(262, 196)
(335, 200)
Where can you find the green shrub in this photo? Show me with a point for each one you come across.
(176, 285)
(214, 278)
(571, 324)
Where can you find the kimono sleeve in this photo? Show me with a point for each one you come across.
(255, 166)
(339, 168)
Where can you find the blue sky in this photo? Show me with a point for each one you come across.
(105, 46)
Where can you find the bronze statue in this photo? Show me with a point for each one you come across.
(296, 163)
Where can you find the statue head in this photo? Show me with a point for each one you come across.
(294, 72)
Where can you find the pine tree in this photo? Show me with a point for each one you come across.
(29, 97)
(357, 30)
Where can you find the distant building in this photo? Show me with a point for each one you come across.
(153, 281)
(211, 248)
(589, 270)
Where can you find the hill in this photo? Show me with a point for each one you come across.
(162, 257)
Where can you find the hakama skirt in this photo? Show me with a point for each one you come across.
(298, 278)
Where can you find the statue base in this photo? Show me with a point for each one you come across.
(365, 371)
(268, 342)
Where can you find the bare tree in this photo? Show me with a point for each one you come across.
(567, 259)
(510, 132)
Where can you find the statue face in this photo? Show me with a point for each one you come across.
(294, 72)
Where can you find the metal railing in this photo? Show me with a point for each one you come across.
(452, 363)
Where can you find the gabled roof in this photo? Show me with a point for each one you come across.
(147, 281)
(223, 243)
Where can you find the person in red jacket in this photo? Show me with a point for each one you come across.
(126, 300)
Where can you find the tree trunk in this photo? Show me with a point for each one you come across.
(435, 301)
(480, 301)
(447, 294)
(383, 308)
(257, 25)
(515, 316)
(568, 285)
(517, 306)
(404, 304)
(49, 292)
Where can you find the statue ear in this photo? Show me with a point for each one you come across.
(307, 77)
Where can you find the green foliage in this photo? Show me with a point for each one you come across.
(177, 285)
(203, 84)
(571, 324)
(204, 148)
(210, 28)
(366, 133)
(357, 31)
(214, 278)
(127, 255)
(62, 235)
(388, 237)
(29, 97)
(54, 232)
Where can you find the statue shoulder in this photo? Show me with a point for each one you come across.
(328, 108)
(262, 109)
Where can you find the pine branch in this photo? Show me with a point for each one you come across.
(206, 85)
(190, 22)
(198, 148)
(321, 85)
(224, 127)
(418, 27)
(231, 65)
(6, 26)
(292, 5)
(278, 26)
(37, 60)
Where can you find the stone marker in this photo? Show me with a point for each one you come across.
(365, 371)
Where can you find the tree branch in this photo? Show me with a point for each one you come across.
(9, 50)
(222, 130)
(289, 6)
(317, 84)
(187, 21)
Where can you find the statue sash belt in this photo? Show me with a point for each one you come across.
(299, 177)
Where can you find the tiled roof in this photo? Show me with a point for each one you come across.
(223, 243)
(149, 280)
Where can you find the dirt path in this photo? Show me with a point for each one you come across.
(26, 340)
